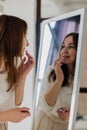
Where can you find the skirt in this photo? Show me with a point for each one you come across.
(4, 126)
(44, 122)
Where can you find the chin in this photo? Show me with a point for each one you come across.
(66, 62)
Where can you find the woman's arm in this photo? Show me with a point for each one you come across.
(14, 115)
(19, 91)
(52, 93)
(23, 69)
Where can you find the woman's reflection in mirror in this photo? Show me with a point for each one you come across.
(55, 98)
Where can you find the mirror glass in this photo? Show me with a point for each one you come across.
(56, 71)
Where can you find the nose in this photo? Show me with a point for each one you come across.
(65, 49)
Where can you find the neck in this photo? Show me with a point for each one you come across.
(2, 64)
(71, 69)
(2, 69)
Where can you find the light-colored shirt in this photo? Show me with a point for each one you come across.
(63, 98)
(7, 99)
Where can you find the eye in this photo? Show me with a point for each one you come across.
(71, 46)
(62, 46)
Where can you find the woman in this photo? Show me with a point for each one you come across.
(55, 100)
(12, 74)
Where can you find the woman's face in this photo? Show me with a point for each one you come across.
(68, 51)
(25, 43)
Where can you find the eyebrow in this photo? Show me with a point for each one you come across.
(68, 44)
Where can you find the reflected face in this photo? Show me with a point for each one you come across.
(25, 43)
(68, 51)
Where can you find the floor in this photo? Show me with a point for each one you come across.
(81, 124)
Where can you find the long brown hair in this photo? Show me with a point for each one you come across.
(12, 31)
(64, 67)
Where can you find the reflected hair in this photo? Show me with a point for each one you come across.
(12, 31)
(64, 67)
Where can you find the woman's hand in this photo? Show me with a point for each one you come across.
(64, 113)
(58, 71)
(25, 68)
(18, 114)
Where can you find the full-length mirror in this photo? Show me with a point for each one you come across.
(56, 72)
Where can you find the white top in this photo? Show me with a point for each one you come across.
(63, 98)
(7, 99)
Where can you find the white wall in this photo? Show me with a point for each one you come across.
(51, 8)
(25, 9)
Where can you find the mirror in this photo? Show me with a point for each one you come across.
(57, 72)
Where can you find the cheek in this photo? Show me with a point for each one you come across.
(60, 53)
(73, 56)
(23, 44)
(22, 51)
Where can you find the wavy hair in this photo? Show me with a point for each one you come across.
(12, 31)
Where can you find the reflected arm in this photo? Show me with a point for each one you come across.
(52, 93)
(49, 91)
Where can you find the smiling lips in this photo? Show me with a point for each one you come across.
(65, 56)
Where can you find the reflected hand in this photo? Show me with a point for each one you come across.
(25, 68)
(18, 114)
(64, 113)
(58, 71)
